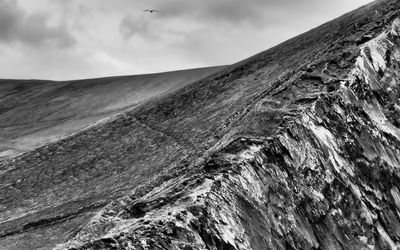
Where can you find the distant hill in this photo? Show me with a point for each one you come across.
(35, 112)
(297, 147)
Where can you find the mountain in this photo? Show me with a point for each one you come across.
(297, 147)
(34, 113)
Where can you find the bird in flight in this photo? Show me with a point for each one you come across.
(151, 11)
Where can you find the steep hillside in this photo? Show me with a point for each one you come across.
(34, 112)
(297, 147)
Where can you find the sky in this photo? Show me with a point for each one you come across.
(75, 39)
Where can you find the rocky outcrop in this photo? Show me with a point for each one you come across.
(329, 180)
(295, 148)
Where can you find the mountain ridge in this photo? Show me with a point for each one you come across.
(276, 156)
(36, 112)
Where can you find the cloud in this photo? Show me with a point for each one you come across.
(255, 13)
(206, 13)
(105, 60)
(83, 9)
(31, 29)
(227, 11)
(222, 15)
(62, 2)
(117, 37)
(134, 25)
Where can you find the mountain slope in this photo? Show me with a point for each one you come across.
(297, 147)
(34, 112)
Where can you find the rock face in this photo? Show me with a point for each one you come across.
(295, 148)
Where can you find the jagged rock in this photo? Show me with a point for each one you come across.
(295, 148)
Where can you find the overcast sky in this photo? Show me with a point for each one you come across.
(71, 39)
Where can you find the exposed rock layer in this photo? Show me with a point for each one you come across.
(305, 156)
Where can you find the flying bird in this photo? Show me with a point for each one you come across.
(151, 11)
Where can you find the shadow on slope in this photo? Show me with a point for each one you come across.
(49, 194)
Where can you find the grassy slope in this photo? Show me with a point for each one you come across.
(33, 113)
(95, 166)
